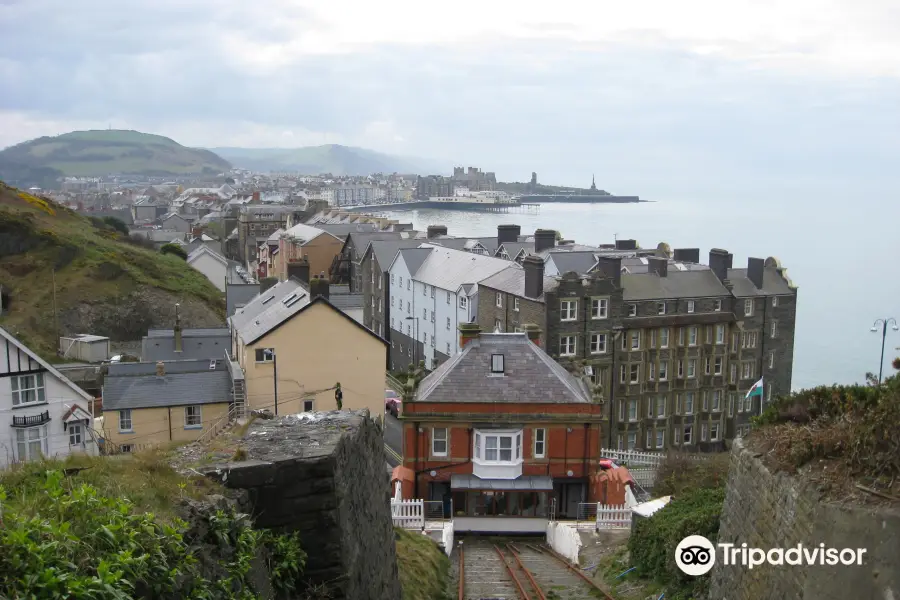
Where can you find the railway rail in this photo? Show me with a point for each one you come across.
(502, 570)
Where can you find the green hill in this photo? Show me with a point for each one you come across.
(332, 158)
(104, 284)
(103, 152)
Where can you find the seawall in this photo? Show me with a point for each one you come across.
(765, 510)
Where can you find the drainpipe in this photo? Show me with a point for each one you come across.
(170, 422)
(416, 461)
(587, 432)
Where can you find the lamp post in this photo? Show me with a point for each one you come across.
(884, 326)
(415, 341)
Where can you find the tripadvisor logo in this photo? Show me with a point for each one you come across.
(695, 555)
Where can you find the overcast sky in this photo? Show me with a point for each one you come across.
(629, 90)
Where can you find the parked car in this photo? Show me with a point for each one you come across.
(392, 402)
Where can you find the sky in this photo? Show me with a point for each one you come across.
(691, 95)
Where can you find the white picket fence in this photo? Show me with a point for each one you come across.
(644, 476)
(633, 457)
(409, 514)
(613, 516)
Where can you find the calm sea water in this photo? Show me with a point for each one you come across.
(842, 256)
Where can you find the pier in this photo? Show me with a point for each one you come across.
(489, 207)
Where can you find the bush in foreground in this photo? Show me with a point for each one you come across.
(423, 566)
(175, 250)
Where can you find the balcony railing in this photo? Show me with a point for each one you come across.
(32, 420)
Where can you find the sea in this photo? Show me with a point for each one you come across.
(844, 258)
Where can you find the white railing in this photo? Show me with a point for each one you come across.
(613, 516)
(633, 457)
(409, 514)
(434, 510)
(644, 476)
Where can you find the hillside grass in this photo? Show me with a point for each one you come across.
(104, 152)
(424, 568)
(145, 478)
(92, 263)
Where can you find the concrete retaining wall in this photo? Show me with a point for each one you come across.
(773, 510)
(565, 540)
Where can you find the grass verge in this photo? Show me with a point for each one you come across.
(424, 568)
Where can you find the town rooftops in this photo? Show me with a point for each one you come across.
(270, 309)
(528, 375)
(513, 249)
(303, 234)
(206, 250)
(774, 284)
(184, 382)
(40, 361)
(448, 269)
(386, 250)
(511, 280)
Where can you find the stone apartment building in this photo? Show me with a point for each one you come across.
(674, 345)
(257, 222)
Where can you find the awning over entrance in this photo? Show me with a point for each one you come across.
(472, 482)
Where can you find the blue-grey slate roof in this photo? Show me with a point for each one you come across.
(159, 344)
(136, 385)
(530, 375)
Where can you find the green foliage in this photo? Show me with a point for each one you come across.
(175, 250)
(680, 471)
(857, 424)
(652, 543)
(117, 224)
(80, 543)
(424, 568)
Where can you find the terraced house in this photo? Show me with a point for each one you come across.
(675, 345)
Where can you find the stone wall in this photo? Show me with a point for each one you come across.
(322, 474)
(774, 510)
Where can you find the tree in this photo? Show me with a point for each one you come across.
(174, 249)
(117, 224)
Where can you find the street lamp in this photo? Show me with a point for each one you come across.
(884, 325)
(415, 341)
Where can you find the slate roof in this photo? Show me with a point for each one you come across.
(302, 233)
(773, 283)
(347, 301)
(579, 262)
(513, 248)
(677, 284)
(530, 375)
(203, 249)
(159, 344)
(512, 281)
(448, 269)
(136, 385)
(65, 380)
(262, 315)
(342, 230)
(386, 250)
(361, 239)
(414, 257)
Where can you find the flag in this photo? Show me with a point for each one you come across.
(756, 389)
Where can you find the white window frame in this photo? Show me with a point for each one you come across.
(568, 345)
(660, 438)
(704, 432)
(664, 338)
(498, 300)
(774, 301)
(677, 434)
(539, 443)
(34, 389)
(463, 302)
(76, 434)
(448, 323)
(632, 310)
(720, 334)
(680, 368)
(515, 449)
(692, 336)
(690, 306)
(516, 304)
(714, 432)
(568, 310)
(634, 373)
(436, 439)
(688, 403)
(748, 307)
(648, 441)
(718, 306)
(632, 410)
(664, 370)
(772, 359)
(24, 441)
(125, 417)
(188, 418)
(497, 364)
(598, 343)
(632, 440)
(691, 368)
(660, 308)
(718, 365)
(688, 433)
(636, 339)
(651, 371)
(599, 308)
(774, 329)
(661, 407)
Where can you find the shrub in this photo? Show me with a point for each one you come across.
(72, 541)
(117, 224)
(175, 250)
(680, 471)
(653, 541)
(136, 239)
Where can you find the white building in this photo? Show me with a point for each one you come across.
(42, 413)
(212, 264)
(433, 290)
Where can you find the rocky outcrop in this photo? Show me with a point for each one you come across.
(322, 475)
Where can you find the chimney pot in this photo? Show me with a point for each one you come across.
(611, 267)
(719, 262)
(534, 333)
(626, 244)
(160, 369)
(544, 239)
(755, 269)
(508, 233)
(658, 265)
(468, 332)
(689, 255)
(534, 276)
(436, 231)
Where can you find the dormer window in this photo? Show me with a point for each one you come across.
(497, 364)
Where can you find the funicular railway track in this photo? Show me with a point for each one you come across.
(520, 570)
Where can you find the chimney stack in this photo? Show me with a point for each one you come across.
(533, 332)
(755, 269)
(160, 369)
(196, 232)
(658, 265)
(300, 269)
(468, 332)
(319, 286)
(534, 276)
(626, 244)
(508, 233)
(179, 342)
(720, 262)
(436, 231)
(544, 239)
(688, 255)
(611, 266)
(255, 198)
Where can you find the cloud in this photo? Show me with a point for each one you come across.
(642, 89)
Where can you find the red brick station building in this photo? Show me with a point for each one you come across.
(505, 436)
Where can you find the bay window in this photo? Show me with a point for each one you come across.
(498, 453)
(31, 443)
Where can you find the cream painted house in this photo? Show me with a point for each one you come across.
(150, 404)
(318, 246)
(294, 336)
